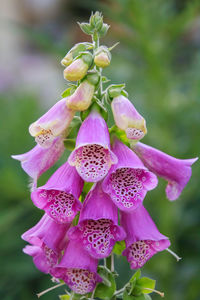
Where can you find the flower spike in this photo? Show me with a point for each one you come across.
(176, 171)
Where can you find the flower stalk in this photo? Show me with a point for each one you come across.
(93, 203)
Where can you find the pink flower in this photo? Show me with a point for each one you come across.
(48, 239)
(78, 269)
(128, 119)
(143, 239)
(38, 160)
(92, 156)
(98, 228)
(59, 196)
(129, 180)
(176, 171)
(52, 124)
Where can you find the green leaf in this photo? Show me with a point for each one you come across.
(146, 282)
(119, 247)
(107, 288)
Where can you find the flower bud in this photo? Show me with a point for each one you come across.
(128, 119)
(75, 51)
(102, 60)
(82, 97)
(96, 21)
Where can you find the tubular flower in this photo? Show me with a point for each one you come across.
(52, 124)
(143, 239)
(38, 160)
(176, 171)
(128, 119)
(48, 239)
(78, 269)
(59, 196)
(92, 156)
(98, 228)
(128, 181)
(82, 97)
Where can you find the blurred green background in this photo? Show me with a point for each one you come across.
(159, 60)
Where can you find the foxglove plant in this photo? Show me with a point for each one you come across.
(93, 203)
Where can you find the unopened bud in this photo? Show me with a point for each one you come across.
(96, 20)
(78, 69)
(75, 51)
(102, 57)
(128, 119)
(82, 97)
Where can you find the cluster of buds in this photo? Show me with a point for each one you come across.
(93, 204)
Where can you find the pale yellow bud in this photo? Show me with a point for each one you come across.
(76, 70)
(102, 60)
(67, 60)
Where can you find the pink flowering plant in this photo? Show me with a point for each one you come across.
(94, 204)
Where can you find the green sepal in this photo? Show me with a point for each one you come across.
(146, 282)
(86, 188)
(87, 57)
(120, 134)
(114, 90)
(86, 28)
(93, 78)
(96, 105)
(119, 247)
(69, 91)
(70, 144)
(104, 79)
(106, 289)
(104, 30)
(80, 47)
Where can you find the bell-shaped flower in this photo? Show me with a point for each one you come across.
(78, 68)
(48, 239)
(129, 180)
(78, 269)
(92, 156)
(82, 97)
(38, 160)
(143, 239)
(127, 118)
(98, 228)
(177, 172)
(59, 196)
(52, 124)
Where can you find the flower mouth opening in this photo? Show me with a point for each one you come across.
(51, 256)
(92, 162)
(98, 237)
(141, 251)
(45, 138)
(59, 205)
(127, 187)
(80, 281)
(134, 133)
